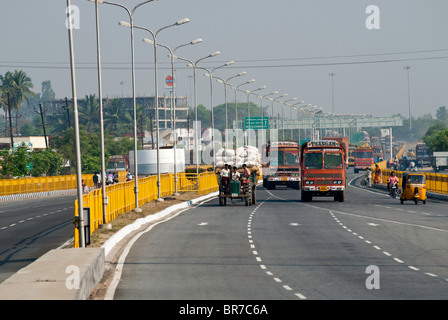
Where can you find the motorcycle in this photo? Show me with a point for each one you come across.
(394, 190)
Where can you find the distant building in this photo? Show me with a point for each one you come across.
(33, 143)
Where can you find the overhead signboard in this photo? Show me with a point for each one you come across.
(256, 123)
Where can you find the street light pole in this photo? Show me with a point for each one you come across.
(194, 66)
(283, 118)
(331, 74)
(76, 126)
(154, 36)
(409, 100)
(100, 98)
(262, 112)
(210, 75)
(131, 19)
(173, 103)
(248, 93)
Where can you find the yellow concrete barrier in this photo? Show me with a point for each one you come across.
(122, 198)
(435, 182)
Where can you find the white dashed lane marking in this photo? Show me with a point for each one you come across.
(31, 218)
(258, 258)
(396, 259)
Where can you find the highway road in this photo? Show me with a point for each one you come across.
(32, 227)
(368, 247)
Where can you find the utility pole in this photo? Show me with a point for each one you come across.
(43, 124)
(141, 127)
(152, 133)
(10, 120)
(67, 107)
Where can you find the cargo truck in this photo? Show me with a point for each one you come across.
(363, 158)
(323, 164)
(281, 164)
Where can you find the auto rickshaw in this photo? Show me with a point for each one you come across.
(413, 188)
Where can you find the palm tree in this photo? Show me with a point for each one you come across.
(89, 113)
(116, 116)
(19, 86)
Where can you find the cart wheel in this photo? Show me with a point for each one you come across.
(424, 201)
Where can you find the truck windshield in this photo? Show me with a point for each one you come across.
(359, 154)
(291, 157)
(369, 154)
(313, 161)
(333, 161)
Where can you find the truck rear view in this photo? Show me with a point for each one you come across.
(323, 170)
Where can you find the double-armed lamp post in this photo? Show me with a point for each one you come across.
(154, 35)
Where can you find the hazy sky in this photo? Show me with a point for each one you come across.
(286, 45)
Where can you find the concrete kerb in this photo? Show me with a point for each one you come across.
(60, 274)
(73, 273)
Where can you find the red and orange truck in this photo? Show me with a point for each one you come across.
(323, 164)
(363, 158)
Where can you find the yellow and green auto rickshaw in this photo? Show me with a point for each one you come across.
(413, 187)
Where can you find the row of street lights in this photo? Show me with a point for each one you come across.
(193, 64)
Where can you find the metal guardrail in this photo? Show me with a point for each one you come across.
(43, 184)
(435, 182)
(122, 198)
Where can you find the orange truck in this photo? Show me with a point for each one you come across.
(281, 164)
(343, 141)
(323, 164)
(363, 158)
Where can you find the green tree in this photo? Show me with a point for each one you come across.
(89, 113)
(438, 141)
(436, 137)
(203, 116)
(442, 113)
(45, 162)
(14, 164)
(19, 86)
(116, 117)
(47, 91)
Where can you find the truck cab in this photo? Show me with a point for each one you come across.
(323, 170)
(281, 164)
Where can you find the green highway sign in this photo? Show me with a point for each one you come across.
(256, 123)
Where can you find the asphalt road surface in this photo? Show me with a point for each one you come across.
(32, 227)
(368, 247)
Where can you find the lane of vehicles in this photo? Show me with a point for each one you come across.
(319, 168)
